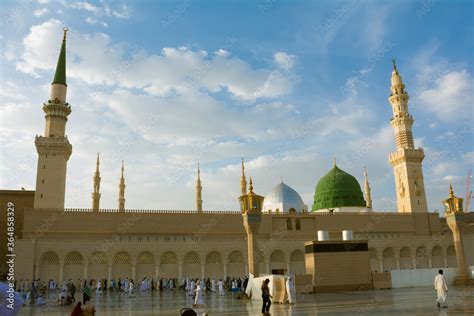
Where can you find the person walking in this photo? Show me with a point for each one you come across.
(441, 288)
(266, 297)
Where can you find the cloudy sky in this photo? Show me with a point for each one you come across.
(288, 86)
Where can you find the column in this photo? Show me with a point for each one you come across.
(225, 270)
(109, 274)
(268, 267)
(61, 273)
(430, 262)
(246, 266)
(86, 268)
(180, 271)
(157, 271)
(202, 270)
(397, 259)
(413, 260)
(134, 273)
(36, 269)
(380, 264)
(288, 266)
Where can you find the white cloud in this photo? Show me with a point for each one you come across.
(43, 1)
(93, 21)
(97, 60)
(84, 5)
(40, 12)
(284, 60)
(450, 96)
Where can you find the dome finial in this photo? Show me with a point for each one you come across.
(281, 179)
(334, 161)
(250, 185)
(451, 192)
(394, 63)
(65, 29)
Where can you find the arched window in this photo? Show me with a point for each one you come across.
(298, 224)
(289, 226)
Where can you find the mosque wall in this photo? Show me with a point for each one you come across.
(21, 199)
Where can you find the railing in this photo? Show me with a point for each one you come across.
(218, 212)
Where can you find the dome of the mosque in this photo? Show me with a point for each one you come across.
(283, 199)
(337, 189)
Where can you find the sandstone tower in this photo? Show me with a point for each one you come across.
(54, 148)
(406, 160)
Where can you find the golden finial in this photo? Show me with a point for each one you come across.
(243, 166)
(251, 185)
(394, 63)
(199, 170)
(65, 29)
(122, 168)
(451, 193)
(334, 161)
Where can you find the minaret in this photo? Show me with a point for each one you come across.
(243, 181)
(251, 207)
(96, 193)
(198, 191)
(406, 160)
(54, 148)
(121, 199)
(368, 197)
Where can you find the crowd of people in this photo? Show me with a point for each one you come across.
(35, 292)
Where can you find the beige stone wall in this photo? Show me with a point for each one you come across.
(21, 199)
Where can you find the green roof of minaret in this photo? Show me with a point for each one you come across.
(60, 74)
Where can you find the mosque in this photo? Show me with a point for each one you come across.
(58, 243)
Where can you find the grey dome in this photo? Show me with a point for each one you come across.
(282, 199)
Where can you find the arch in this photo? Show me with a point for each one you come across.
(437, 257)
(289, 224)
(292, 211)
(98, 265)
(169, 264)
(235, 266)
(191, 265)
(406, 258)
(145, 265)
(388, 259)
(73, 258)
(73, 266)
(451, 256)
(214, 266)
(277, 262)
(122, 265)
(277, 256)
(49, 266)
(297, 262)
(422, 261)
(374, 260)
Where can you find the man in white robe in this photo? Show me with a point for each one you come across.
(220, 284)
(213, 285)
(290, 290)
(441, 288)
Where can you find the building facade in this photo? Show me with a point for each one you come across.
(58, 243)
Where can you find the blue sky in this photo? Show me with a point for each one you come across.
(287, 85)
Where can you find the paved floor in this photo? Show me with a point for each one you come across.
(410, 301)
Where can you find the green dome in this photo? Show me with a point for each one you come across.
(337, 189)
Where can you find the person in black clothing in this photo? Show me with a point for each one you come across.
(266, 297)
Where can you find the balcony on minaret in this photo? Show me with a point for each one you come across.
(53, 145)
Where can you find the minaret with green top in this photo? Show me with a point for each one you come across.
(54, 148)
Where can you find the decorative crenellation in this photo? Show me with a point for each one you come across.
(53, 146)
(411, 155)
